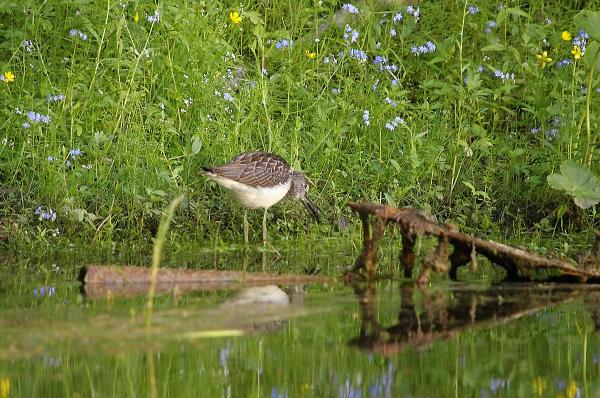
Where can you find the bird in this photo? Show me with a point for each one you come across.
(261, 179)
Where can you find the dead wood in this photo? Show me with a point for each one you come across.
(519, 264)
(109, 280)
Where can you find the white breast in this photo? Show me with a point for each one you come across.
(253, 198)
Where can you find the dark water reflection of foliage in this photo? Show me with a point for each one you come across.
(443, 340)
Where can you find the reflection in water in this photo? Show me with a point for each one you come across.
(427, 315)
(269, 294)
(44, 291)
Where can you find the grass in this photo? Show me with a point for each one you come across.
(136, 107)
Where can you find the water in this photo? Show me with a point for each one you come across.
(390, 339)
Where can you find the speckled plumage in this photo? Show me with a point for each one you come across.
(260, 180)
(255, 169)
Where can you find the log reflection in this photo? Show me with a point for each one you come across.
(427, 315)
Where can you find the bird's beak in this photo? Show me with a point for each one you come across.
(311, 207)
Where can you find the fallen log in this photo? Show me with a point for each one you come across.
(519, 264)
(110, 280)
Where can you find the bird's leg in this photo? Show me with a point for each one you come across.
(265, 228)
(265, 239)
(246, 226)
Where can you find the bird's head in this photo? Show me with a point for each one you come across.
(299, 190)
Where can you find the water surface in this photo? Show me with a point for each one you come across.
(390, 339)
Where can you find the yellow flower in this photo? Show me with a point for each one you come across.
(539, 385)
(136, 17)
(235, 17)
(4, 387)
(572, 389)
(310, 55)
(544, 59)
(566, 36)
(576, 51)
(9, 77)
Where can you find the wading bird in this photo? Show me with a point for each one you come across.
(260, 180)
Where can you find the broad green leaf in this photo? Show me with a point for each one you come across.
(469, 185)
(502, 15)
(577, 181)
(590, 22)
(590, 55)
(254, 17)
(396, 165)
(389, 199)
(493, 47)
(196, 144)
(517, 11)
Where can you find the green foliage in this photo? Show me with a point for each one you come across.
(577, 181)
(468, 131)
(590, 22)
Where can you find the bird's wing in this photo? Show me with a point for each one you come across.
(258, 169)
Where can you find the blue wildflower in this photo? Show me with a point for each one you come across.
(336, 91)
(471, 9)
(50, 158)
(379, 59)
(154, 18)
(55, 97)
(392, 124)
(581, 40)
(38, 118)
(428, 47)
(489, 26)
(228, 97)
(26, 125)
(350, 35)
(415, 12)
(390, 102)
(358, 54)
(561, 64)
(77, 32)
(366, 118)
(498, 73)
(480, 68)
(393, 32)
(284, 43)
(74, 153)
(397, 18)
(350, 8)
(44, 214)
